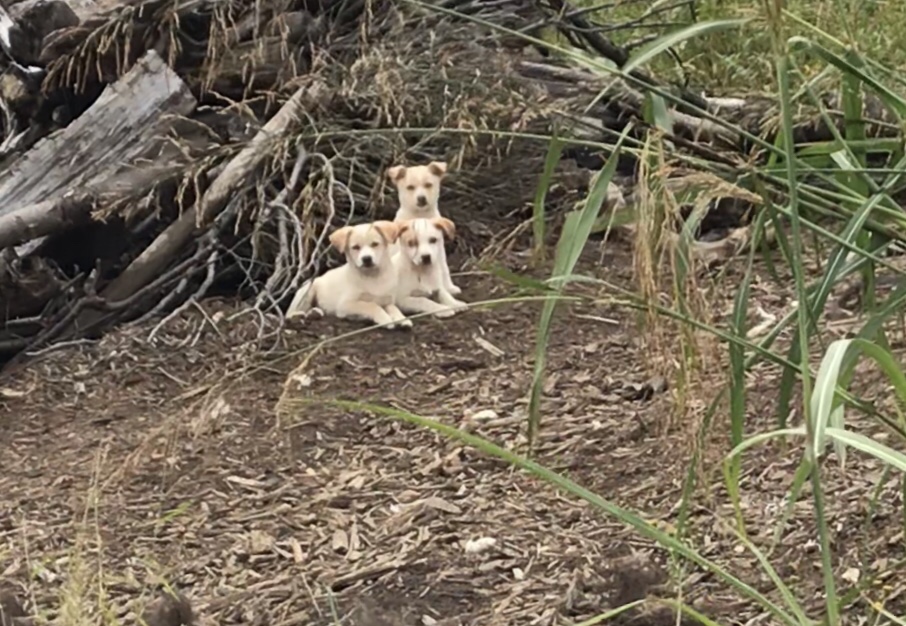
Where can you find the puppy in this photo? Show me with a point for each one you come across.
(365, 286)
(420, 267)
(418, 188)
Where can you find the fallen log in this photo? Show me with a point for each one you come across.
(175, 237)
(44, 218)
(112, 153)
(120, 132)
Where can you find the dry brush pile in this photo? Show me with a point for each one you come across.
(155, 152)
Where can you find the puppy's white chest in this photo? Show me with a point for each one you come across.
(425, 283)
(381, 292)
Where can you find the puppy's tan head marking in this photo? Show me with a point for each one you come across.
(418, 186)
(365, 245)
(389, 230)
(339, 238)
(422, 240)
(445, 225)
(438, 168)
(396, 172)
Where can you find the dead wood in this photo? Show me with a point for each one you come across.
(122, 127)
(43, 218)
(162, 250)
(36, 21)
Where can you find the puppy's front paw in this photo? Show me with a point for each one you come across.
(454, 290)
(311, 314)
(445, 313)
(404, 324)
(459, 305)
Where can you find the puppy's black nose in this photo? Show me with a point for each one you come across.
(426, 258)
(422, 201)
(367, 261)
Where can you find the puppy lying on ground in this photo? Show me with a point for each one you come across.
(418, 188)
(365, 286)
(420, 267)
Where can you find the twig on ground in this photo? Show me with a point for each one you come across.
(202, 290)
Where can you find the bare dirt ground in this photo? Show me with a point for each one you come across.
(126, 466)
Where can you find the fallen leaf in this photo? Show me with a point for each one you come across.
(442, 505)
(340, 542)
(851, 575)
(298, 557)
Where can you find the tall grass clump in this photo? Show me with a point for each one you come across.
(823, 193)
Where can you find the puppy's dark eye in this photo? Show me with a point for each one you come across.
(428, 185)
(413, 243)
(375, 244)
(356, 247)
(432, 240)
(411, 187)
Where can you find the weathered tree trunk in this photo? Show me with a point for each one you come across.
(161, 251)
(95, 152)
(43, 218)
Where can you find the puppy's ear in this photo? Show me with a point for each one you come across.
(396, 173)
(445, 225)
(438, 168)
(402, 227)
(390, 230)
(339, 238)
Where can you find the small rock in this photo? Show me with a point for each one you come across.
(474, 546)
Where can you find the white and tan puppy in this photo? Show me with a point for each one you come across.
(420, 267)
(365, 287)
(418, 188)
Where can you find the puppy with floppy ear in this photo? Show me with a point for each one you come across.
(420, 267)
(365, 286)
(418, 189)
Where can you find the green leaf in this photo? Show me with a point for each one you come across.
(651, 50)
(539, 209)
(576, 231)
(825, 410)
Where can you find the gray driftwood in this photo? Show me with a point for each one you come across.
(157, 255)
(100, 153)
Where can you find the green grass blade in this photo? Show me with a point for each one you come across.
(890, 98)
(643, 528)
(656, 113)
(754, 440)
(824, 408)
(688, 611)
(597, 619)
(789, 598)
(539, 211)
(885, 360)
(576, 231)
(803, 472)
(657, 47)
(883, 453)
(804, 313)
(738, 380)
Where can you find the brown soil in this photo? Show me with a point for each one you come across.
(137, 466)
